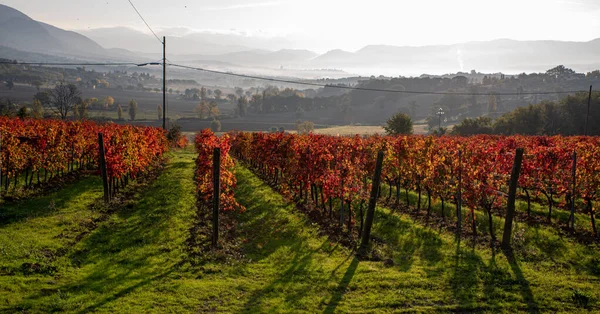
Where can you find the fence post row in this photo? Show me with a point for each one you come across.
(512, 194)
(366, 235)
(102, 164)
(216, 194)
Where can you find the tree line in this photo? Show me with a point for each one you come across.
(65, 101)
(565, 117)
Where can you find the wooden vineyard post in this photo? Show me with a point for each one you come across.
(366, 235)
(512, 193)
(1, 166)
(574, 174)
(102, 164)
(342, 204)
(459, 201)
(216, 194)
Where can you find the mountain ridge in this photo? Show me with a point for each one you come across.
(18, 31)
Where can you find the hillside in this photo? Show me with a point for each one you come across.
(18, 31)
(503, 55)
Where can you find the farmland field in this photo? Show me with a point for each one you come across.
(281, 250)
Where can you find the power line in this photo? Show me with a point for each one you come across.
(288, 81)
(79, 64)
(140, 15)
(369, 89)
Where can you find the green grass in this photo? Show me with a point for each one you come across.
(137, 262)
(31, 230)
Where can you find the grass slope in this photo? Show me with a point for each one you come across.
(33, 231)
(137, 261)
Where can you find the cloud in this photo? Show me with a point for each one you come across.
(246, 6)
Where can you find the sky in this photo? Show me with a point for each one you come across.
(322, 25)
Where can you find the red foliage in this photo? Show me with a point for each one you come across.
(54, 146)
(342, 166)
(206, 141)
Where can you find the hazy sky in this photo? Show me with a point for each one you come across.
(329, 24)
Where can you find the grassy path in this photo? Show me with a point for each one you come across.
(137, 262)
(34, 231)
(123, 257)
(431, 271)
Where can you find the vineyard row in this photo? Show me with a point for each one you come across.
(48, 148)
(475, 169)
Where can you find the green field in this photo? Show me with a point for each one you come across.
(64, 253)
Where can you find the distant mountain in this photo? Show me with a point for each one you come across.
(19, 31)
(204, 43)
(492, 56)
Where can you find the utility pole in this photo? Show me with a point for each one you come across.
(164, 82)
(587, 117)
(440, 113)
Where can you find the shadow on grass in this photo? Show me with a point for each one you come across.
(468, 274)
(274, 233)
(526, 293)
(340, 291)
(125, 253)
(407, 240)
(469, 271)
(42, 206)
(266, 224)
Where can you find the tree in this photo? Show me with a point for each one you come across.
(202, 110)
(231, 98)
(7, 108)
(481, 125)
(63, 99)
(120, 112)
(399, 123)
(22, 113)
(203, 93)
(492, 103)
(37, 111)
(76, 111)
(560, 71)
(214, 111)
(159, 111)
(218, 94)
(109, 102)
(256, 103)
(10, 85)
(132, 109)
(304, 127)
(215, 125)
(524, 120)
(242, 105)
(82, 109)
(239, 91)
(174, 133)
